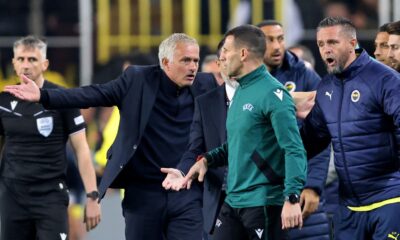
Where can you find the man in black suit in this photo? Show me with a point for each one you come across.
(156, 105)
(207, 132)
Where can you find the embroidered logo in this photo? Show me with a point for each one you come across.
(13, 104)
(45, 126)
(218, 223)
(279, 94)
(290, 86)
(248, 107)
(259, 232)
(329, 94)
(63, 236)
(355, 96)
(393, 235)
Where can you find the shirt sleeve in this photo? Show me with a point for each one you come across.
(73, 120)
(283, 119)
(217, 157)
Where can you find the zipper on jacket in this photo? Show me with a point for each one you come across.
(342, 82)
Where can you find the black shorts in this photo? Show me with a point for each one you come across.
(33, 211)
(253, 223)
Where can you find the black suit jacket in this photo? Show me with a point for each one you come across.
(208, 131)
(134, 92)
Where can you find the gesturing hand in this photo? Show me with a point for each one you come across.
(27, 90)
(174, 179)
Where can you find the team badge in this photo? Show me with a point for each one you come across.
(290, 86)
(355, 96)
(45, 125)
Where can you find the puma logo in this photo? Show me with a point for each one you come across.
(393, 235)
(329, 94)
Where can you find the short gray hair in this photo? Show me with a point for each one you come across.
(32, 42)
(168, 46)
(347, 26)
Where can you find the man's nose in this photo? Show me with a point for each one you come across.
(377, 52)
(26, 64)
(194, 65)
(390, 53)
(275, 45)
(327, 50)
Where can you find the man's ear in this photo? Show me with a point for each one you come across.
(165, 63)
(45, 64)
(353, 42)
(243, 53)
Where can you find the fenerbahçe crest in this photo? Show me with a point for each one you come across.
(290, 86)
(355, 96)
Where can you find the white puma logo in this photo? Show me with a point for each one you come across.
(392, 235)
(329, 94)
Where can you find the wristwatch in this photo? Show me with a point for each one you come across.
(93, 195)
(292, 198)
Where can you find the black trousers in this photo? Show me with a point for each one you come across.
(151, 213)
(33, 211)
(253, 223)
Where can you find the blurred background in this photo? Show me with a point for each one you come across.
(85, 36)
(90, 40)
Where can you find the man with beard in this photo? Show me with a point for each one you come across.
(381, 45)
(357, 109)
(295, 76)
(394, 45)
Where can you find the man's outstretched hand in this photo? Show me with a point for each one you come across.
(173, 180)
(27, 90)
